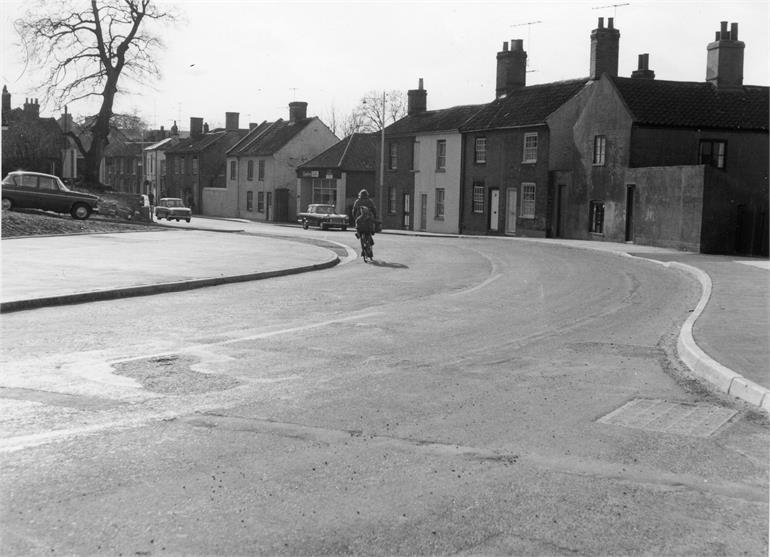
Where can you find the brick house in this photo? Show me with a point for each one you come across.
(506, 149)
(30, 142)
(340, 172)
(196, 164)
(665, 163)
(261, 181)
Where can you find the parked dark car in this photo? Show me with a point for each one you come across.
(34, 190)
(172, 208)
(323, 216)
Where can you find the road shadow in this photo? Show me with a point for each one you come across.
(380, 263)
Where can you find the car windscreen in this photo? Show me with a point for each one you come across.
(324, 210)
(174, 203)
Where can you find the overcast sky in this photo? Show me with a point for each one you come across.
(254, 57)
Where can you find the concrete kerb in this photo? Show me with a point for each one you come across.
(146, 290)
(702, 364)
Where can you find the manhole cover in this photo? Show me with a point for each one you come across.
(669, 417)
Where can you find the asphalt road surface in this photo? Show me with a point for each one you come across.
(458, 396)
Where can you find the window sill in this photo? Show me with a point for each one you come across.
(529, 162)
(441, 170)
(480, 163)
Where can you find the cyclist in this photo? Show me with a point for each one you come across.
(364, 201)
(365, 226)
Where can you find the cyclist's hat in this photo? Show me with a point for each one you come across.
(363, 193)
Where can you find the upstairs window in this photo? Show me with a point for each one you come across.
(261, 171)
(441, 155)
(600, 149)
(233, 169)
(713, 153)
(195, 165)
(392, 156)
(480, 150)
(528, 201)
(596, 217)
(260, 202)
(530, 147)
(162, 167)
(249, 200)
(250, 170)
(415, 156)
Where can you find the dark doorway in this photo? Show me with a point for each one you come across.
(630, 188)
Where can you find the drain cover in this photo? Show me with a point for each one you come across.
(669, 417)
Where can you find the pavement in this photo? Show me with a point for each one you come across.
(726, 339)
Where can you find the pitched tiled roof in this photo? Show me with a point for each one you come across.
(199, 144)
(434, 120)
(358, 151)
(694, 104)
(526, 106)
(267, 138)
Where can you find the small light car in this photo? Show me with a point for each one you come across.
(324, 216)
(34, 190)
(172, 208)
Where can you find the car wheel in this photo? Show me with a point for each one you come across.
(168, 218)
(304, 224)
(188, 220)
(323, 226)
(80, 211)
(7, 204)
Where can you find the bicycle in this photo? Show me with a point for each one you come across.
(366, 246)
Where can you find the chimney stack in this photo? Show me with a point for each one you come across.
(724, 63)
(511, 68)
(416, 100)
(231, 121)
(604, 49)
(196, 127)
(297, 111)
(6, 100)
(644, 71)
(31, 107)
(174, 129)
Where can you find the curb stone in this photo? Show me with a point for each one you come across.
(146, 290)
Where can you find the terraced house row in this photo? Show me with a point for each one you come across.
(603, 157)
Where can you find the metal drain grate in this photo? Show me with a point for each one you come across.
(669, 417)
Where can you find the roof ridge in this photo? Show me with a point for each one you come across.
(345, 151)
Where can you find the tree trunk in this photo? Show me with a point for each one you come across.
(99, 134)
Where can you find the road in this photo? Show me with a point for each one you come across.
(456, 397)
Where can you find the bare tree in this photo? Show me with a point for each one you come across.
(353, 123)
(86, 47)
(380, 109)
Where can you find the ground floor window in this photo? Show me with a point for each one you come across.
(527, 200)
(596, 217)
(249, 200)
(260, 202)
(440, 203)
(392, 200)
(479, 194)
(324, 191)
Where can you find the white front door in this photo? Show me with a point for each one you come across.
(494, 210)
(510, 215)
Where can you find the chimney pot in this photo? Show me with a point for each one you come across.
(734, 31)
(610, 23)
(505, 46)
(601, 23)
